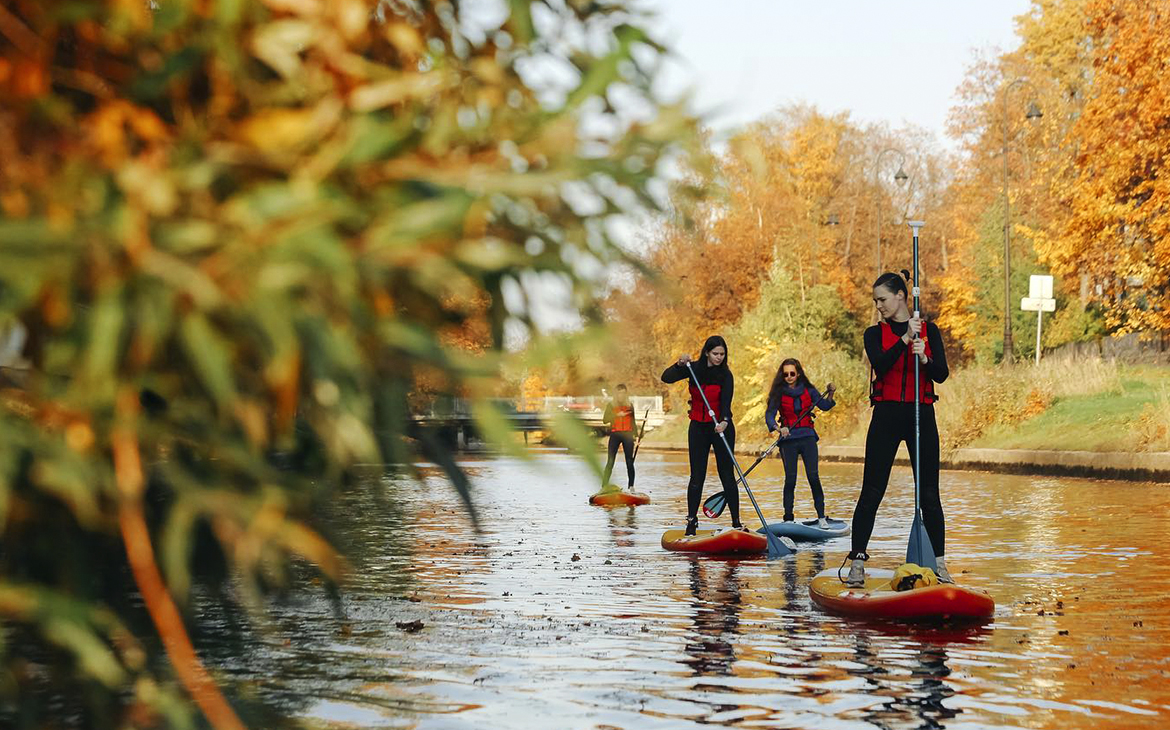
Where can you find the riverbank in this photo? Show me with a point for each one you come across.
(1133, 466)
(1090, 418)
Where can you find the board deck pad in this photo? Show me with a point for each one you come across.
(945, 601)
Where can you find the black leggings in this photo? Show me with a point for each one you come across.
(701, 438)
(891, 424)
(806, 448)
(626, 440)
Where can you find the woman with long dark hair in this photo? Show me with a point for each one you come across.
(703, 435)
(891, 345)
(792, 397)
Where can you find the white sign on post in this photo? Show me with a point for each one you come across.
(1039, 300)
(1040, 287)
(1029, 304)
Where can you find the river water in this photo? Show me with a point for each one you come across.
(562, 615)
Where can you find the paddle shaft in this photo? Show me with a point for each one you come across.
(641, 433)
(917, 394)
(731, 453)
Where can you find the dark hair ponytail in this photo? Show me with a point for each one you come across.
(894, 283)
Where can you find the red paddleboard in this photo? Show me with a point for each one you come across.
(619, 499)
(945, 601)
(721, 542)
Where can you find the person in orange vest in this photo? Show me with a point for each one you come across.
(891, 346)
(619, 416)
(792, 397)
(703, 434)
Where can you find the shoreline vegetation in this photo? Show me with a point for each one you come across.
(1044, 419)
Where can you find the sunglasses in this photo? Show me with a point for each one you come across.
(790, 373)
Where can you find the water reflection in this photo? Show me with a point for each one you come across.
(622, 523)
(563, 615)
(914, 704)
(715, 607)
(797, 571)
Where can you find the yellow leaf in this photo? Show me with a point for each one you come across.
(382, 94)
(286, 130)
(280, 43)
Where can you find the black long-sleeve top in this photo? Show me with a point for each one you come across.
(882, 360)
(707, 376)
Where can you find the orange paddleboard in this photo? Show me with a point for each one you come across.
(723, 541)
(945, 601)
(619, 499)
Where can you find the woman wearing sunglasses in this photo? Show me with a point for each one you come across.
(793, 398)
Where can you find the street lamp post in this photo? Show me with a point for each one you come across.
(899, 177)
(1032, 113)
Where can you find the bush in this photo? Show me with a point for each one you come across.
(976, 398)
(241, 227)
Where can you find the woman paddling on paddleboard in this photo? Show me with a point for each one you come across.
(793, 398)
(703, 435)
(891, 346)
(619, 416)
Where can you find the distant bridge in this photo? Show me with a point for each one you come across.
(532, 414)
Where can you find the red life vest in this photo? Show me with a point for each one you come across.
(897, 384)
(698, 409)
(623, 418)
(792, 406)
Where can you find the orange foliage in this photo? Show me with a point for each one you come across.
(1119, 195)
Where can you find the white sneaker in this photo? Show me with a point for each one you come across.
(856, 576)
(944, 576)
(823, 523)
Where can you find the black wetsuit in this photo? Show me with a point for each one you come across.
(625, 439)
(701, 438)
(891, 424)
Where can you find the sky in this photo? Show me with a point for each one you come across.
(882, 60)
(893, 61)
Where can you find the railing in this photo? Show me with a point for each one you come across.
(589, 409)
(598, 403)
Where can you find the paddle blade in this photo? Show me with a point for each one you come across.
(919, 551)
(778, 547)
(713, 506)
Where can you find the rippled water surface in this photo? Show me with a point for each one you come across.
(562, 615)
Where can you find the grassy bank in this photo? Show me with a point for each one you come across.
(1089, 405)
(1131, 414)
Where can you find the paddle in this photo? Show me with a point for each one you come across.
(714, 505)
(918, 550)
(641, 432)
(776, 548)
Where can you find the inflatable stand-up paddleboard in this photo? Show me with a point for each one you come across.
(716, 542)
(619, 498)
(808, 531)
(945, 601)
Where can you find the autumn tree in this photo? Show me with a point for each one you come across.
(1118, 232)
(1049, 70)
